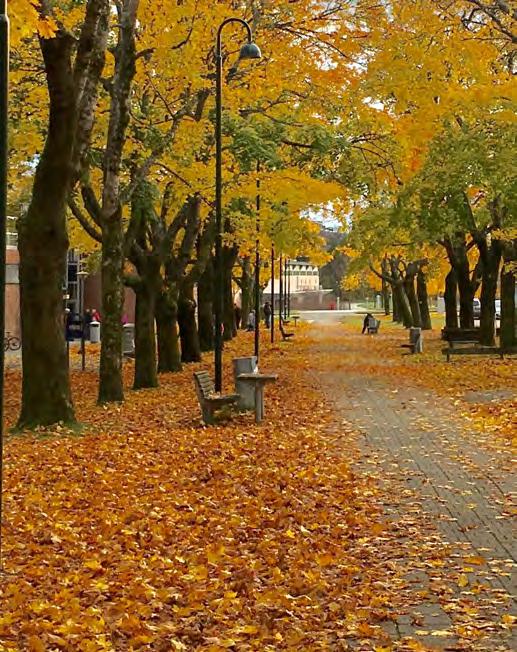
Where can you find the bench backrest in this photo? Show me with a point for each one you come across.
(204, 384)
(459, 334)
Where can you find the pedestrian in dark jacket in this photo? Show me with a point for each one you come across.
(366, 322)
(267, 314)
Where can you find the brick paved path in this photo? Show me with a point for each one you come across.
(430, 470)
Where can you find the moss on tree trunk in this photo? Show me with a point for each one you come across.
(110, 372)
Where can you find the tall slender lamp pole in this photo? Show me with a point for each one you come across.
(286, 288)
(272, 293)
(248, 51)
(257, 268)
(4, 81)
(289, 289)
(280, 292)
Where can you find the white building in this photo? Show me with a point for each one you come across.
(302, 276)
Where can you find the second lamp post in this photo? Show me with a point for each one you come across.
(248, 51)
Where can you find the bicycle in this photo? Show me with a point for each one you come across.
(11, 342)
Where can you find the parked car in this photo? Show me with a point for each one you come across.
(476, 304)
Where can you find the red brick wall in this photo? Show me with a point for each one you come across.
(92, 297)
(12, 296)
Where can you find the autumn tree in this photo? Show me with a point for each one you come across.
(73, 64)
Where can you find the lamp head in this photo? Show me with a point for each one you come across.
(250, 51)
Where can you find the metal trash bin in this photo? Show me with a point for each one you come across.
(95, 332)
(128, 339)
(248, 365)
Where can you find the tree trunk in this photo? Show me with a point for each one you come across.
(169, 355)
(229, 258)
(110, 373)
(145, 337)
(409, 289)
(457, 253)
(405, 307)
(205, 291)
(189, 336)
(385, 297)
(423, 300)
(397, 285)
(111, 219)
(491, 265)
(43, 246)
(450, 297)
(508, 336)
(466, 293)
(396, 308)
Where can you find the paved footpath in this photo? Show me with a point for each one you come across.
(430, 470)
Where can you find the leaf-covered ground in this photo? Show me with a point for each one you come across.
(484, 388)
(148, 531)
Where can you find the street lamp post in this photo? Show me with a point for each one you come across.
(257, 268)
(272, 293)
(248, 51)
(280, 293)
(289, 289)
(286, 291)
(82, 274)
(4, 80)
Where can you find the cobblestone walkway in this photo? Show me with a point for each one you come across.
(430, 470)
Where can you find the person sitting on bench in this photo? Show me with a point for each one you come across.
(367, 322)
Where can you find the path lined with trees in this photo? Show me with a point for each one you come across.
(351, 111)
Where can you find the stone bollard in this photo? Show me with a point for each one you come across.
(245, 391)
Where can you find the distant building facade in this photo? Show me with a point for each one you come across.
(302, 276)
(80, 291)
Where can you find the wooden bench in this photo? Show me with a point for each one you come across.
(285, 336)
(462, 341)
(458, 335)
(208, 399)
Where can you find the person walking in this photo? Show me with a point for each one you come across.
(96, 315)
(267, 314)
